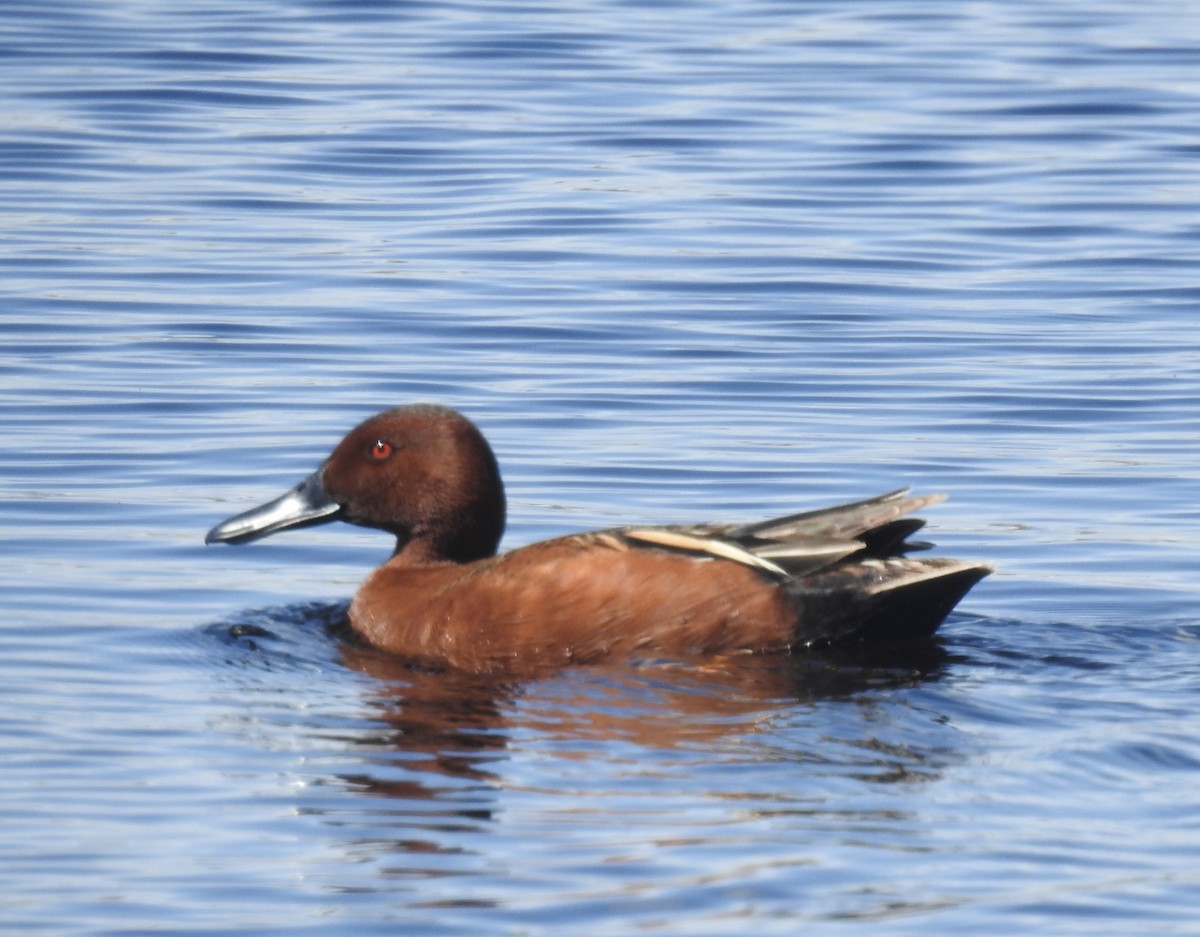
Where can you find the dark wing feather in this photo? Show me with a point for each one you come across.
(843, 521)
(799, 544)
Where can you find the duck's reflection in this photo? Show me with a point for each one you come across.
(454, 725)
(459, 770)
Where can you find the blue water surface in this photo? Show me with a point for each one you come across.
(680, 262)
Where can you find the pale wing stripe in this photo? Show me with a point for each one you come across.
(830, 549)
(718, 548)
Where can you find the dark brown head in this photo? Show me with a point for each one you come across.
(423, 473)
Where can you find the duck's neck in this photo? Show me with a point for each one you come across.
(421, 551)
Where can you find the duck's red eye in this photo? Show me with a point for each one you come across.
(381, 449)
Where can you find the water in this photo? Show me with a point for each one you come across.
(681, 262)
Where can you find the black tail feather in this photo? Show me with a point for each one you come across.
(907, 602)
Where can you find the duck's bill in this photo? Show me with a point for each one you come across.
(305, 505)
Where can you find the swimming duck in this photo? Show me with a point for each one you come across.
(426, 475)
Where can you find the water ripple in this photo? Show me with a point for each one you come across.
(679, 263)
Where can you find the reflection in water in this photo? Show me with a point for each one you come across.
(460, 721)
(668, 754)
(456, 725)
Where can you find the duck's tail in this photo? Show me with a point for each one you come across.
(880, 600)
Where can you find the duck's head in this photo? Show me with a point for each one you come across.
(423, 473)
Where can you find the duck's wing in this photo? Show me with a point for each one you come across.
(782, 561)
(843, 521)
(799, 544)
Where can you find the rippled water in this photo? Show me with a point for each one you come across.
(681, 262)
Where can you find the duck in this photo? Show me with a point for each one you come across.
(837, 576)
